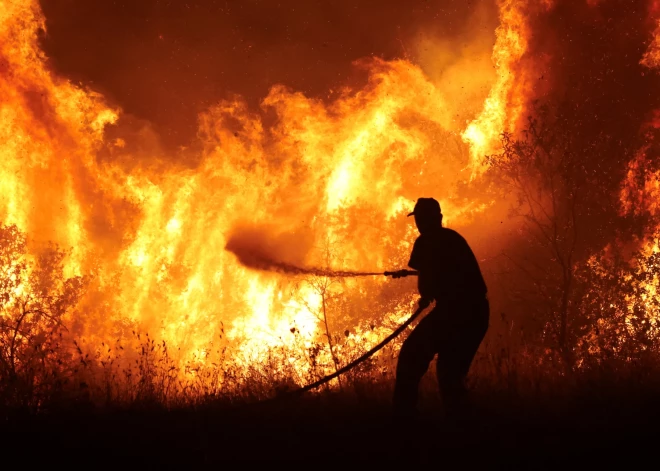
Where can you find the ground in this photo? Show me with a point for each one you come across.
(341, 430)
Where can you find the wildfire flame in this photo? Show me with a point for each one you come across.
(331, 181)
(504, 104)
(327, 184)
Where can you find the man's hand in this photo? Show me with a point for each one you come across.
(424, 302)
(400, 273)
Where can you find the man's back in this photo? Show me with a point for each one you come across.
(444, 257)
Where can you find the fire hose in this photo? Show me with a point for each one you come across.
(366, 355)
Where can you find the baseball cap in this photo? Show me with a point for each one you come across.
(429, 206)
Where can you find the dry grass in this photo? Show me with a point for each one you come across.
(149, 412)
(145, 373)
(134, 397)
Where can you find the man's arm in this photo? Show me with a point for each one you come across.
(419, 261)
(425, 285)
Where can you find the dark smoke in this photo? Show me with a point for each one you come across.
(166, 61)
(256, 250)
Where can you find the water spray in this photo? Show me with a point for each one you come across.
(268, 264)
(256, 255)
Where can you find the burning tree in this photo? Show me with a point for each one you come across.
(567, 209)
(620, 283)
(543, 171)
(619, 298)
(34, 297)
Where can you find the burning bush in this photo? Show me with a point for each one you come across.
(34, 300)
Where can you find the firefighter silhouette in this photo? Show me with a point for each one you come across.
(449, 274)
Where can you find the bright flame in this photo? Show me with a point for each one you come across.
(337, 177)
(505, 103)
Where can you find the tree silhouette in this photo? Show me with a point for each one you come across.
(323, 286)
(34, 297)
(544, 170)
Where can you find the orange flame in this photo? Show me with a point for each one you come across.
(503, 106)
(331, 180)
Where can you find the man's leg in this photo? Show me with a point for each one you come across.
(416, 353)
(455, 356)
(452, 387)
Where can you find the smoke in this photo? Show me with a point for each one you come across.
(255, 248)
(204, 51)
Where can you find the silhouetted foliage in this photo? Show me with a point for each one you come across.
(34, 298)
(545, 172)
(619, 303)
(577, 292)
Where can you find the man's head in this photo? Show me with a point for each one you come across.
(428, 216)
